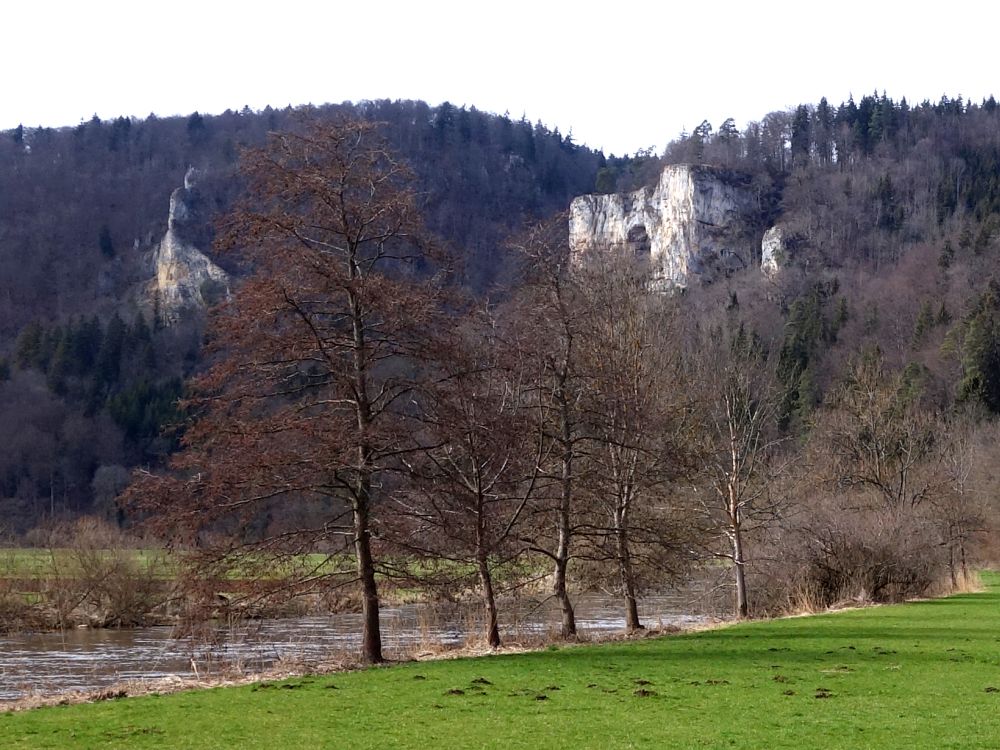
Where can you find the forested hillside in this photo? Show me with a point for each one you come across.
(87, 380)
(891, 220)
(826, 427)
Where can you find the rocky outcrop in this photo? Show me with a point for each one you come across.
(773, 253)
(185, 278)
(691, 225)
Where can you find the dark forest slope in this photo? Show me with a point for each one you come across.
(86, 382)
(891, 215)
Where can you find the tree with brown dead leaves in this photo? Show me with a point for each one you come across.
(309, 400)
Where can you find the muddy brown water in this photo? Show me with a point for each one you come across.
(88, 659)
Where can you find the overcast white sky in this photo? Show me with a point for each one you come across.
(622, 76)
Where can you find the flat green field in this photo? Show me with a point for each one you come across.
(920, 675)
(25, 563)
(30, 563)
(42, 563)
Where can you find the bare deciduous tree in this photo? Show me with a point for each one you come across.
(470, 486)
(879, 439)
(739, 458)
(305, 406)
(639, 416)
(552, 314)
(958, 506)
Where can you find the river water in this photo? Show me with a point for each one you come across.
(87, 659)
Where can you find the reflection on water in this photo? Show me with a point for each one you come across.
(88, 659)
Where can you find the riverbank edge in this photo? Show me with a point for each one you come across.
(176, 684)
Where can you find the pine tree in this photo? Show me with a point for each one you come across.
(943, 317)
(925, 321)
(980, 352)
(108, 362)
(105, 243)
(28, 350)
(823, 132)
(801, 136)
(890, 211)
(947, 255)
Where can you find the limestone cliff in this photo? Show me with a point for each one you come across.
(185, 278)
(691, 225)
(773, 253)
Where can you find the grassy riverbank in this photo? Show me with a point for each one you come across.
(920, 675)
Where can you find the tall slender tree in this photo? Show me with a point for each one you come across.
(740, 420)
(553, 315)
(470, 487)
(639, 419)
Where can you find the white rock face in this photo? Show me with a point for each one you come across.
(691, 225)
(773, 253)
(183, 272)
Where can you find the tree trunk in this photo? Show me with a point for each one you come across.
(371, 634)
(742, 605)
(952, 572)
(627, 579)
(568, 629)
(489, 602)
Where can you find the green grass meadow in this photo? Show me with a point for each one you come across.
(42, 563)
(37, 563)
(919, 675)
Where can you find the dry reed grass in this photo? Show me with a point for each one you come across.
(965, 583)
